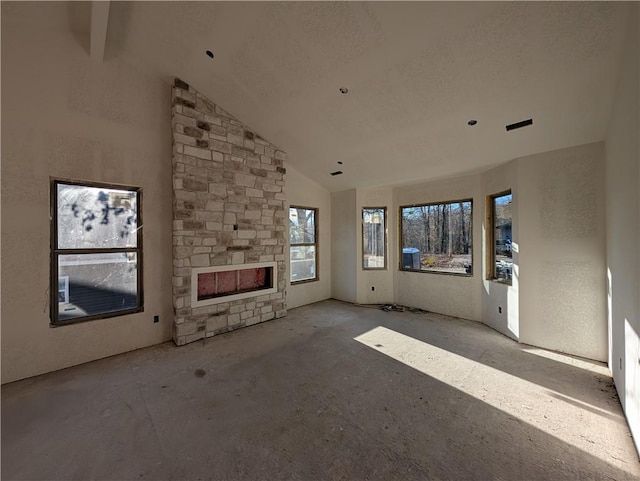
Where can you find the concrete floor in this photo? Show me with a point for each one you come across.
(332, 391)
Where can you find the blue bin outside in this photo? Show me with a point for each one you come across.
(411, 258)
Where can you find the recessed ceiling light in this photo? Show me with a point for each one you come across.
(209, 53)
(344, 90)
(472, 122)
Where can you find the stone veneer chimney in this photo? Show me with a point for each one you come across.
(228, 209)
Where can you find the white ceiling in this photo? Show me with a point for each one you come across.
(416, 73)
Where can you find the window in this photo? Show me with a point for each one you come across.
(374, 238)
(437, 237)
(303, 241)
(499, 261)
(96, 257)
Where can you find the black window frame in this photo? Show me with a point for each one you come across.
(56, 252)
(384, 230)
(316, 244)
(492, 274)
(425, 271)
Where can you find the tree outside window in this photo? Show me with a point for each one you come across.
(437, 237)
(303, 248)
(374, 238)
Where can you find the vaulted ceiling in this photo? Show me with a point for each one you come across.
(416, 73)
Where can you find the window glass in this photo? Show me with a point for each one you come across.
(63, 289)
(92, 217)
(98, 283)
(96, 256)
(374, 238)
(303, 252)
(302, 225)
(303, 263)
(437, 237)
(502, 237)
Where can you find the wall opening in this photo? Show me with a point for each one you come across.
(212, 285)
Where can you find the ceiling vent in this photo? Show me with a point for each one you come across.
(337, 172)
(519, 125)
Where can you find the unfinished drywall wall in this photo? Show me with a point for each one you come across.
(63, 116)
(623, 230)
(302, 191)
(453, 295)
(376, 286)
(500, 301)
(344, 241)
(562, 247)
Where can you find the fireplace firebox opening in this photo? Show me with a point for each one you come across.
(212, 285)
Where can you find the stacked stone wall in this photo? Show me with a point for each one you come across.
(228, 209)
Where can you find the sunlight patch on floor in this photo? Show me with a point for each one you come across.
(536, 405)
(593, 366)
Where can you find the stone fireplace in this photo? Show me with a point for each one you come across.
(229, 234)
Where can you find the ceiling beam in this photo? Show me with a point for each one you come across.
(99, 23)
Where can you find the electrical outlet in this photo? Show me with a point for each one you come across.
(156, 318)
(499, 309)
(373, 288)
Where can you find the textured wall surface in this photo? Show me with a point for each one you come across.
(228, 209)
(381, 280)
(562, 271)
(500, 302)
(453, 295)
(64, 116)
(302, 191)
(623, 230)
(557, 298)
(344, 255)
